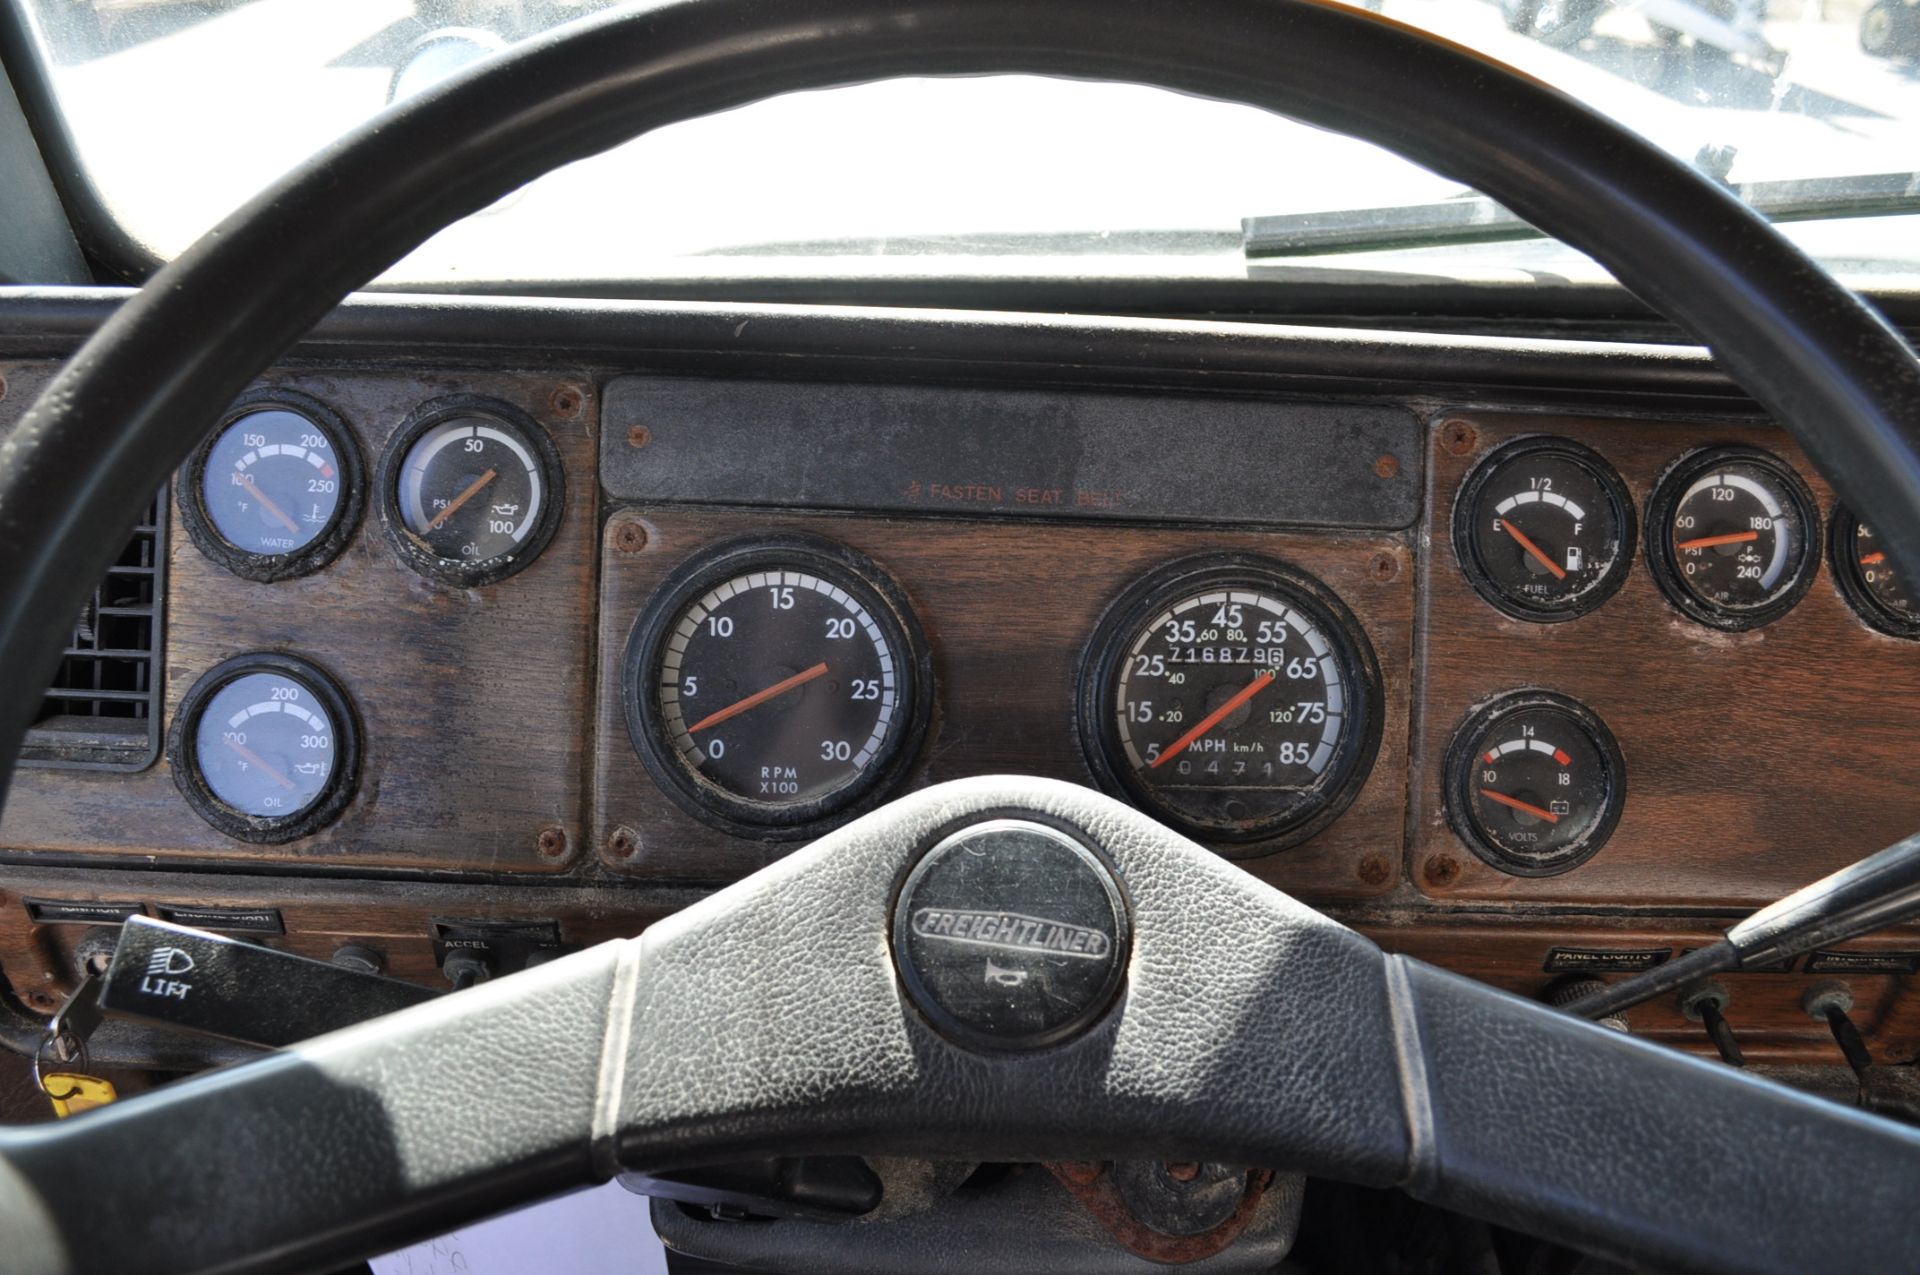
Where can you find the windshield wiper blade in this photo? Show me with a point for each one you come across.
(1476, 219)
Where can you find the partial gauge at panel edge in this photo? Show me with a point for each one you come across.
(266, 748)
(471, 490)
(276, 490)
(775, 687)
(1234, 698)
(1535, 783)
(1544, 529)
(1877, 590)
(1732, 537)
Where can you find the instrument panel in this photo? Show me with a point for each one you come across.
(437, 627)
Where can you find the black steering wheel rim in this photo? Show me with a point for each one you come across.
(135, 399)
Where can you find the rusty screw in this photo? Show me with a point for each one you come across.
(566, 402)
(552, 843)
(43, 1001)
(1374, 870)
(1442, 870)
(1183, 1170)
(639, 436)
(629, 537)
(1458, 437)
(623, 845)
(1387, 466)
(1382, 567)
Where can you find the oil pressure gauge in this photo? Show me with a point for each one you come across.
(1543, 529)
(777, 685)
(1534, 783)
(1874, 587)
(1732, 535)
(471, 490)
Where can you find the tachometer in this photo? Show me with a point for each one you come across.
(265, 748)
(775, 684)
(1731, 536)
(275, 491)
(1234, 698)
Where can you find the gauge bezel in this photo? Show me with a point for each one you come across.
(1463, 752)
(1466, 545)
(1115, 633)
(1660, 551)
(316, 554)
(183, 751)
(455, 571)
(707, 801)
(1841, 560)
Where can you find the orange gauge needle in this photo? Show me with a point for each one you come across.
(1873, 559)
(1708, 542)
(1526, 542)
(1525, 807)
(473, 489)
(1213, 719)
(255, 758)
(267, 504)
(758, 698)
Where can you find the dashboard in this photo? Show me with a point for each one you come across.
(506, 627)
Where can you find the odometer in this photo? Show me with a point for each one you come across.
(1234, 698)
(776, 684)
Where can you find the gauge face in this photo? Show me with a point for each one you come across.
(1736, 531)
(275, 491)
(1233, 698)
(473, 489)
(266, 747)
(1535, 783)
(776, 684)
(1873, 586)
(1544, 529)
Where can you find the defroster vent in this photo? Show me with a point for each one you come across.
(102, 711)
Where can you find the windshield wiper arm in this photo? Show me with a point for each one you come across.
(1477, 219)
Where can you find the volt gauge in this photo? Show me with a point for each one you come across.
(1544, 529)
(471, 490)
(275, 491)
(1535, 783)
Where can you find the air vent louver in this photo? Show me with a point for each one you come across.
(102, 711)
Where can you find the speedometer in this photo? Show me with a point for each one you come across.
(1234, 698)
(775, 684)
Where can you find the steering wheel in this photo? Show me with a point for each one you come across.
(813, 1007)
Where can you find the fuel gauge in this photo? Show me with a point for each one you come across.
(1544, 529)
(1535, 783)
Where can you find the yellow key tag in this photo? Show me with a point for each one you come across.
(72, 1092)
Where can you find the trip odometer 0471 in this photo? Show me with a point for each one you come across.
(1234, 698)
(776, 685)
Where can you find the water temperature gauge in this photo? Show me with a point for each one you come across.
(275, 490)
(1535, 783)
(1876, 589)
(1732, 534)
(1543, 528)
(471, 489)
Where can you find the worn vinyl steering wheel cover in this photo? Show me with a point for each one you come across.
(132, 402)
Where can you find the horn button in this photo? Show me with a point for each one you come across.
(1011, 934)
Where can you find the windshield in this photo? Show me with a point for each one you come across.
(179, 112)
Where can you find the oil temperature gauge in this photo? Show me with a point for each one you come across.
(1535, 783)
(471, 490)
(1875, 588)
(1732, 534)
(1544, 529)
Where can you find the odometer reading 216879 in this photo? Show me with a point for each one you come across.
(774, 684)
(1235, 698)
